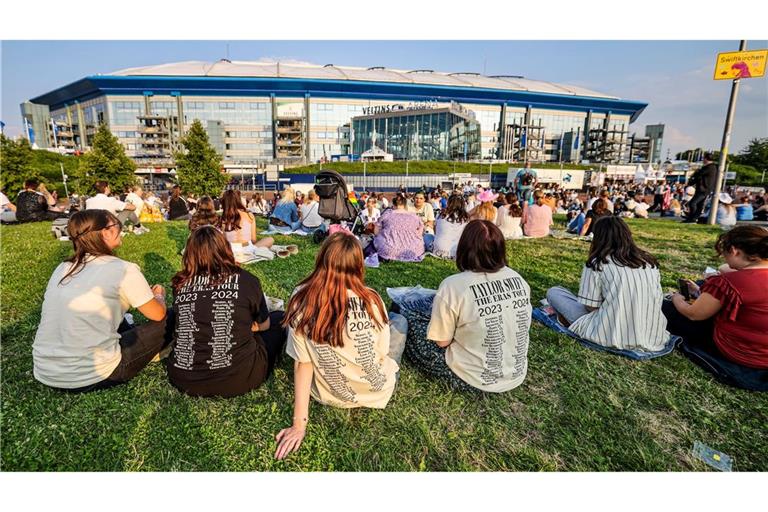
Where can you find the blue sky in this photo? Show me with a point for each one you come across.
(674, 77)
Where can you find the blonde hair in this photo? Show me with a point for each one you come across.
(288, 195)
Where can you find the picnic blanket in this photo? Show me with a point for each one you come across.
(559, 234)
(273, 231)
(549, 319)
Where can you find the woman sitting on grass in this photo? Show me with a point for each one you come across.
(620, 296)
(598, 211)
(82, 342)
(399, 233)
(238, 224)
(725, 330)
(450, 226)
(285, 215)
(226, 341)
(477, 338)
(346, 355)
(484, 209)
(537, 218)
(205, 214)
(509, 216)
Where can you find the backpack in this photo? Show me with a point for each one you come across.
(59, 228)
(526, 178)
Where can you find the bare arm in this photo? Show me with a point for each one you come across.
(155, 308)
(289, 439)
(706, 306)
(585, 227)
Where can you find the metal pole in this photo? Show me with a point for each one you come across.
(64, 179)
(406, 173)
(724, 145)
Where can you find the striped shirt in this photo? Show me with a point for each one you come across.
(629, 313)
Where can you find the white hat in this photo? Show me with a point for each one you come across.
(725, 198)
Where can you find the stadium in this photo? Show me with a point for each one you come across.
(259, 113)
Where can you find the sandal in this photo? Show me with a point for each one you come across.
(280, 250)
(293, 249)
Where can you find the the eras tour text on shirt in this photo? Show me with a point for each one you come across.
(221, 297)
(493, 299)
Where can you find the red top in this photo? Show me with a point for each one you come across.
(741, 327)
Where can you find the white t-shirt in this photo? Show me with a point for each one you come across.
(488, 317)
(447, 238)
(509, 226)
(3, 200)
(641, 210)
(629, 313)
(368, 218)
(309, 216)
(426, 214)
(77, 343)
(135, 200)
(104, 202)
(359, 374)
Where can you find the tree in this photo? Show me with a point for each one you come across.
(754, 155)
(105, 161)
(15, 165)
(198, 166)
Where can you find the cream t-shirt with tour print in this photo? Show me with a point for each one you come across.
(359, 374)
(488, 317)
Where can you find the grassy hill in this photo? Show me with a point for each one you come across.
(578, 410)
(419, 167)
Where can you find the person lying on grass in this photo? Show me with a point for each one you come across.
(477, 337)
(82, 342)
(620, 295)
(226, 341)
(346, 355)
(729, 320)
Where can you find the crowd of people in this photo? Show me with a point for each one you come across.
(224, 336)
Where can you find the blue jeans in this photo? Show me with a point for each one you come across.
(576, 224)
(429, 240)
(566, 304)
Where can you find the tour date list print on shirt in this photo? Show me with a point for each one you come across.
(493, 300)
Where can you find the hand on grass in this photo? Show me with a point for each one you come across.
(288, 440)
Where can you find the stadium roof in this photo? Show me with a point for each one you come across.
(291, 69)
(291, 79)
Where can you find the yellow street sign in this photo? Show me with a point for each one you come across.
(749, 64)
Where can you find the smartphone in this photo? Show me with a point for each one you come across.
(682, 284)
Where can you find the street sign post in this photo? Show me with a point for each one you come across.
(733, 66)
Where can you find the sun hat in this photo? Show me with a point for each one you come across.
(486, 195)
(725, 198)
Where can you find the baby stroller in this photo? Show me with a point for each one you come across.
(334, 204)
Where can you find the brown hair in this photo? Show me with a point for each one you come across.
(538, 197)
(319, 309)
(205, 214)
(514, 205)
(751, 240)
(613, 239)
(600, 207)
(456, 210)
(207, 253)
(84, 228)
(231, 206)
(101, 186)
(398, 201)
(481, 248)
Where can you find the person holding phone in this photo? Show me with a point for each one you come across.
(725, 330)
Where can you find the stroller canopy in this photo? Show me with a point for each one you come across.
(331, 188)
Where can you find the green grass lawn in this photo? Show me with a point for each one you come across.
(578, 410)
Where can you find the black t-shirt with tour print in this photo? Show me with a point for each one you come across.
(214, 350)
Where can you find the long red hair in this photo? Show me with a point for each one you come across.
(318, 310)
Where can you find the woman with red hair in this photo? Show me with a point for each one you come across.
(346, 351)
